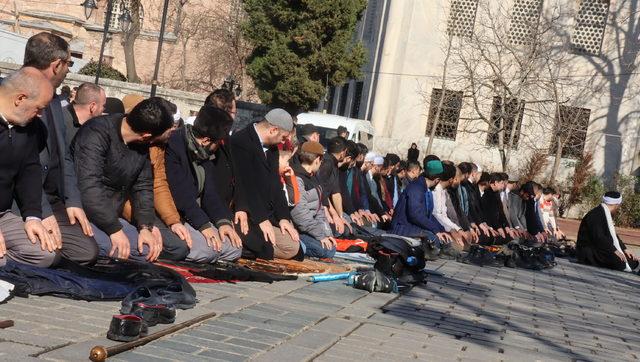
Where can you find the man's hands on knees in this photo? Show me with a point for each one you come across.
(267, 231)
(328, 243)
(120, 247)
(355, 217)
(78, 215)
(182, 232)
(51, 224)
(242, 219)
(227, 231)
(37, 232)
(444, 237)
(213, 238)
(287, 228)
(630, 255)
(153, 239)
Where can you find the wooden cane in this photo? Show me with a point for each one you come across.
(101, 353)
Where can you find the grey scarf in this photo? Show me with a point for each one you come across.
(197, 154)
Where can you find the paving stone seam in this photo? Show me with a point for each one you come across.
(340, 338)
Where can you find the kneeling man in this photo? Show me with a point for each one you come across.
(598, 244)
(190, 173)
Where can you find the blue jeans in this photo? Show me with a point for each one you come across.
(104, 241)
(313, 247)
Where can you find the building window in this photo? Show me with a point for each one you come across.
(447, 127)
(524, 21)
(119, 7)
(357, 98)
(503, 119)
(342, 106)
(462, 17)
(573, 123)
(591, 23)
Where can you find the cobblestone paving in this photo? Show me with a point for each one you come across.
(469, 313)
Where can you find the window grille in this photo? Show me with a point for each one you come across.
(590, 26)
(525, 16)
(447, 126)
(573, 123)
(462, 17)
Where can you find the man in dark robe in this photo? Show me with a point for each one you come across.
(598, 244)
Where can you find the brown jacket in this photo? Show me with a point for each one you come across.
(162, 199)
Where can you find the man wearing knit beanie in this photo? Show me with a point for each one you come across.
(413, 215)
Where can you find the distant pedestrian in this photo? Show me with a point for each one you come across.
(413, 153)
(343, 132)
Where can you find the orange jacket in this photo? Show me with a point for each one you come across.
(162, 199)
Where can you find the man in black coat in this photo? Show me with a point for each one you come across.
(62, 207)
(493, 210)
(255, 155)
(190, 174)
(530, 193)
(329, 177)
(23, 95)
(225, 174)
(88, 103)
(598, 244)
(112, 161)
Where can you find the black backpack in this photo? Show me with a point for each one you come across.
(399, 257)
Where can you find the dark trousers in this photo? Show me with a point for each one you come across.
(76, 246)
(313, 247)
(173, 248)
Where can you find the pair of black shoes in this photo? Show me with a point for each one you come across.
(129, 327)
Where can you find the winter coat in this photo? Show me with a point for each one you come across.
(412, 215)
(184, 186)
(110, 172)
(308, 215)
(413, 154)
(257, 177)
(57, 167)
(162, 199)
(20, 175)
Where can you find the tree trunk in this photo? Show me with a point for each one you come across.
(556, 161)
(183, 65)
(129, 42)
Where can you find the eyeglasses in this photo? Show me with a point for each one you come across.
(69, 62)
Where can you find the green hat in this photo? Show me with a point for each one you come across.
(434, 168)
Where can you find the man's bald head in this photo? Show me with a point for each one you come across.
(89, 101)
(23, 94)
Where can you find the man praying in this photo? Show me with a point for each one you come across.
(598, 244)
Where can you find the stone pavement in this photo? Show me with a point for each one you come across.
(571, 312)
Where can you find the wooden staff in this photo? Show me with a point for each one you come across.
(101, 353)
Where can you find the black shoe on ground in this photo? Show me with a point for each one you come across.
(126, 328)
(155, 314)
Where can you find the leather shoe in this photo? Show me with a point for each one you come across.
(154, 314)
(126, 328)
